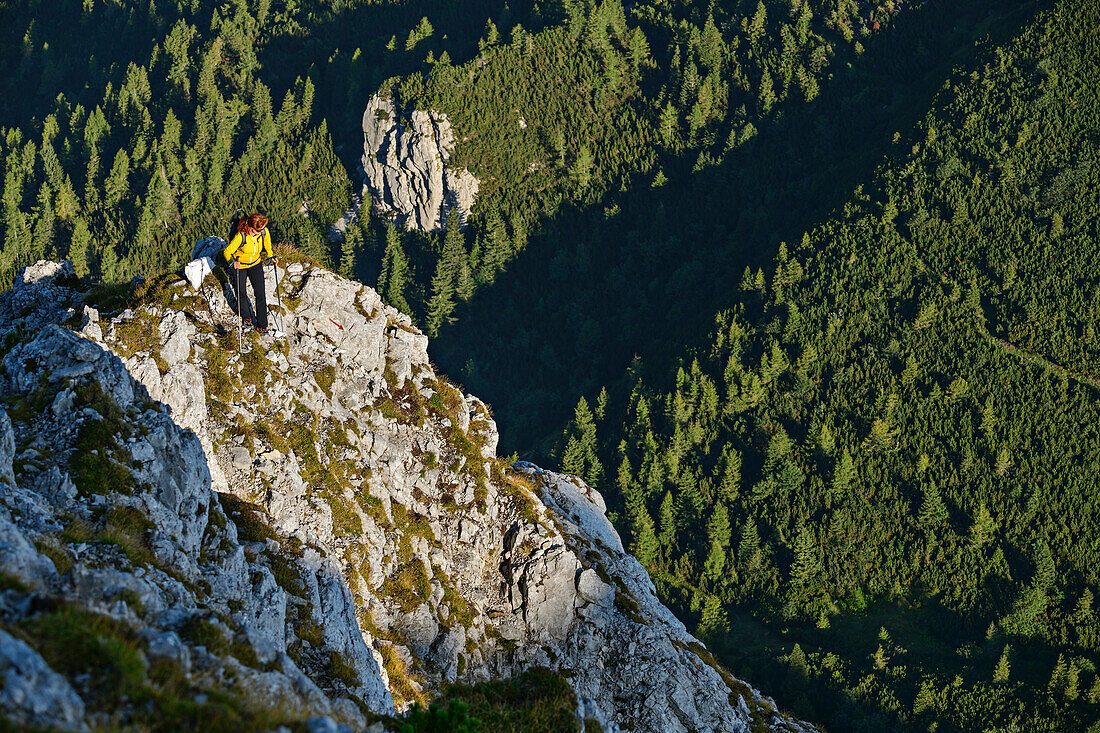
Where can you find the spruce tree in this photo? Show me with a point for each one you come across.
(933, 512)
(718, 533)
(667, 519)
(79, 247)
(983, 528)
(730, 463)
(843, 474)
(496, 249)
(798, 668)
(748, 549)
(117, 184)
(581, 455)
(713, 620)
(445, 281)
(926, 695)
(353, 242)
(394, 279)
(644, 544)
(1002, 670)
(806, 570)
(668, 125)
(1044, 566)
(1057, 684)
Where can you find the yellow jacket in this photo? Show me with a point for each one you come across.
(251, 250)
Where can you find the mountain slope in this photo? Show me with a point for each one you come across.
(315, 526)
(874, 486)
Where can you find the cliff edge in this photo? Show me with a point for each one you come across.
(313, 527)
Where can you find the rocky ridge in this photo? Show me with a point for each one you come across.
(318, 526)
(405, 166)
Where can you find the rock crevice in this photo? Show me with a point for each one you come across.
(406, 172)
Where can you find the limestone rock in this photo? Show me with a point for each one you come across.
(31, 693)
(7, 449)
(319, 501)
(405, 170)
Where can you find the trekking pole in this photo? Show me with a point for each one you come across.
(240, 335)
(278, 302)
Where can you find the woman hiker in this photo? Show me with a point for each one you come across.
(246, 252)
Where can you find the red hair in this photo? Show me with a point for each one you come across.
(252, 224)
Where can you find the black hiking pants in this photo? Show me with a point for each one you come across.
(255, 275)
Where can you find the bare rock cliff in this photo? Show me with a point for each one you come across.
(405, 166)
(318, 527)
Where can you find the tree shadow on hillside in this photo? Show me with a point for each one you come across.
(597, 294)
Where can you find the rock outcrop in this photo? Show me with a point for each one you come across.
(405, 166)
(320, 521)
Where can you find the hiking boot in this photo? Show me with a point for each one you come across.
(247, 321)
(261, 331)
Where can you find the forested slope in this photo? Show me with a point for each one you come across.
(885, 449)
(144, 147)
(651, 262)
(875, 487)
(578, 107)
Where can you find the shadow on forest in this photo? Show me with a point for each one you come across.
(922, 634)
(596, 294)
(345, 83)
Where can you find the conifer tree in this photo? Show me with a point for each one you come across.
(669, 122)
(1082, 613)
(644, 544)
(667, 519)
(1057, 684)
(1093, 695)
(983, 528)
(1044, 566)
(601, 404)
(806, 569)
(926, 695)
(844, 474)
(79, 247)
(496, 249)
(713, 619)
(748, 549)
(765, 96)
(445, 281)
(353, 242)
(394, 278)
(798, 668)
(933, 512)
(581, 456)
(117, 183)
(730, 462)
(759, 22)
(1003, 669)
(718, 532)
(825, 440)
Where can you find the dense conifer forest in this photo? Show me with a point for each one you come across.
(803, 287)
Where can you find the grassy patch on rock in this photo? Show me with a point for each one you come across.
(325, 378)
(409, 585)
(537, 701)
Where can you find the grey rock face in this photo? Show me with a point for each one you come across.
(392, 532)
(195, 566)
(7, 449)
(33, 694)
(405, 168)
